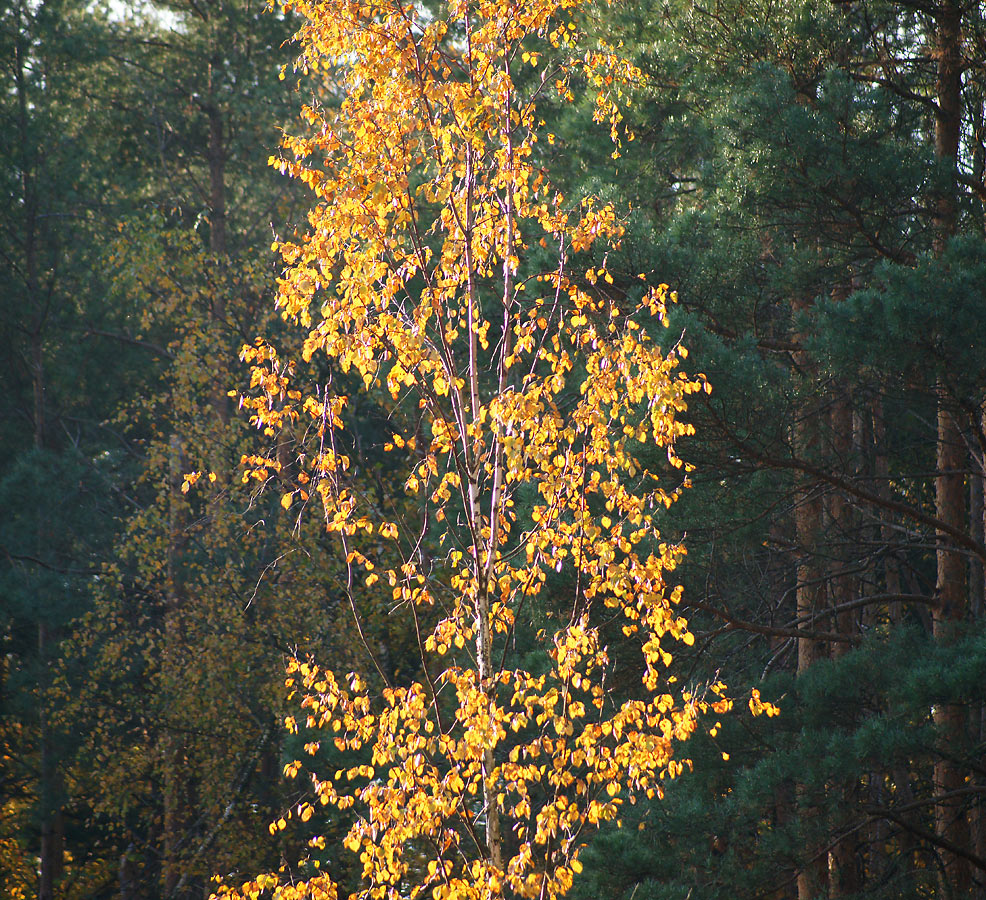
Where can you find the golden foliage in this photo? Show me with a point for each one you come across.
(521, 401)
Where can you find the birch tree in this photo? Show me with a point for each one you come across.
(527, 391)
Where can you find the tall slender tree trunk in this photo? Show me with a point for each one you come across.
(172, 746)
(216, 154)
(51, 857)
(951, 823)
(885, 537)
(842, 585)
(843, 873)
(51, 854)
(950, 718)
(811, 601)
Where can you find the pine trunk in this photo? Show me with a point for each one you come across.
(843, 873)
(951, 823)
(811, 603)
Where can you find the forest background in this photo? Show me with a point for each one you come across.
(811, 180)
